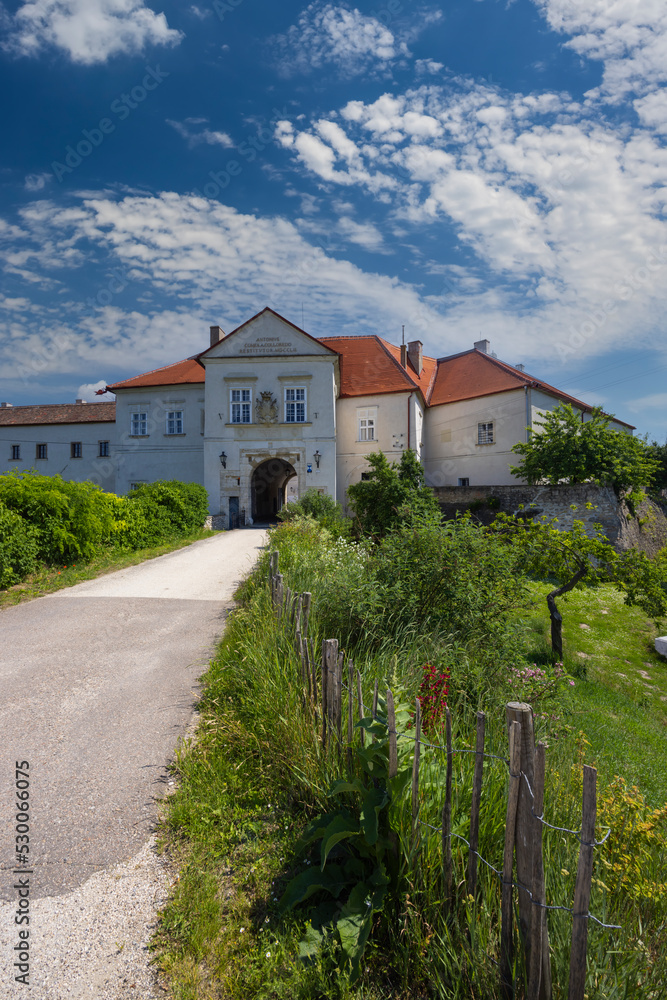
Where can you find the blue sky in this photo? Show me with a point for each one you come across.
(477, 169)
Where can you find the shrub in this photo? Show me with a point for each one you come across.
(165, 509)
(320, 506)
(71, 520)
(392, 494)
(18, 547)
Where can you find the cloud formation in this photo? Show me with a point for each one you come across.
(331, 34)
(206, 136)
(88, 31)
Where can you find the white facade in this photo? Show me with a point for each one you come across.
(159, 435)
(76, 450)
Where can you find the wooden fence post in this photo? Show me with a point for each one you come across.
(278, 595)
(582, 890)
(447, 814)
(506, 942)
(474, 809)
(415, 766)
(313, 667)
(306, 599)
(329, 671)
(360, 698)
(338, 695)
(520, 712)
(391, 729)
(539, 972)
(350, 712)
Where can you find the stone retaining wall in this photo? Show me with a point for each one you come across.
(647, 531)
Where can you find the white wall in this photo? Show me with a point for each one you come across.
(268, 355)
(158, 455)
(451, 444)
(391, 432)
(58, 439)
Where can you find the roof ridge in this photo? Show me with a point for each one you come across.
(384, 344)
(153, 371)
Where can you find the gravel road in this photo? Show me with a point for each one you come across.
(97, 683)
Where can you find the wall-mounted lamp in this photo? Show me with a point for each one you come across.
(223, 459)
(317, 458)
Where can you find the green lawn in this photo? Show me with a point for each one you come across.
(619, 700)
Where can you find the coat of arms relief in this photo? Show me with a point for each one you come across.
(266, 408)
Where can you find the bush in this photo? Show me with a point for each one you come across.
(164, 509)
(320, 506)
(71, 520)
(392, 494)
(18, 547)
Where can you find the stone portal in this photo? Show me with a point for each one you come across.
(268, 484)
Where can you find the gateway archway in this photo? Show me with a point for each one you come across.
(268, 488)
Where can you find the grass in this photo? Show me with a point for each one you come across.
(619, 700)
(256, 775)
(49, 579)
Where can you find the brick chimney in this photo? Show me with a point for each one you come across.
(217, 334)
(415, 354)
(483, 345)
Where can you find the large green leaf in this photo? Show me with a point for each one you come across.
(341, 786)
(374, 801)
(308, 882)
(311, 942)
(353, 931)
(342, 827)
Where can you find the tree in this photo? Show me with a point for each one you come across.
(659, 453)
(572, 450)
(574, 559)
(391, 493)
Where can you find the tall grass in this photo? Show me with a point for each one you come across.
(258, 773)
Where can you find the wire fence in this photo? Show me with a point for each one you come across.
(523, 861)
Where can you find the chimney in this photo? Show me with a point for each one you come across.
(483, 345)
(520, 368)
(404, 357)
(217, 334)
(79, 400)
(415, 355)
(4, 405)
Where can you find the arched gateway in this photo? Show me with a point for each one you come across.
(268, 484)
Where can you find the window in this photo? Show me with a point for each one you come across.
(485, 433)
(16, 452)
(103, 450)
(41, 451)
(174, 421)
(464, 482)
(75, 449)
(241, 403)
(367, 424)
(295, 406)
(139, 424)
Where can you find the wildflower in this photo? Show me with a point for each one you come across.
(571, 683)
(268, 954)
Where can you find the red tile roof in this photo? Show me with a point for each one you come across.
(183, 372)
(58, 413)
(371, 366)
(473, 374)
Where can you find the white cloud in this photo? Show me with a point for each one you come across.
(331, 34)
(89, 31)
(563, 212)
(628, 36)
(204, 262)
(656, 401)
(205, 136)
(37, 182)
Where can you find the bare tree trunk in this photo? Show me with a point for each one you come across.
(556, 617)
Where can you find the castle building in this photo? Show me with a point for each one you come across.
(268, 411)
